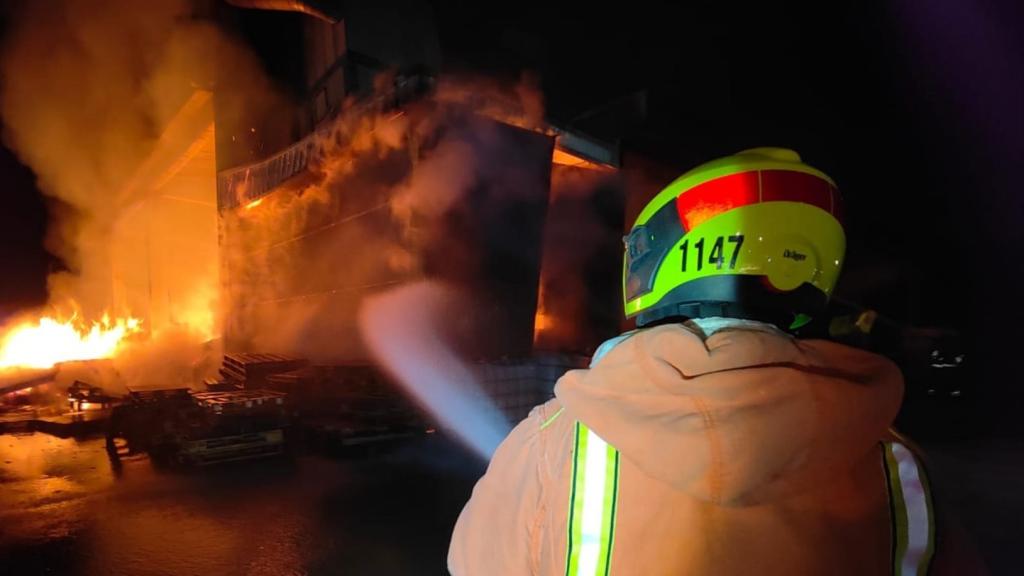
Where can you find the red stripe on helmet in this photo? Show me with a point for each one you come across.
(789, 186)
(714, 197)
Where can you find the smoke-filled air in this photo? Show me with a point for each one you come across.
(106, 101)
(111, 104)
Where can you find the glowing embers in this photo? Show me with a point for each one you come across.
(563, 157)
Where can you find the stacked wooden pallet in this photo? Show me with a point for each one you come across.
(251, 370)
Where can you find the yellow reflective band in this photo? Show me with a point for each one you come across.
(911, 507)
(595, 478)
(552, 419)
(593, 494)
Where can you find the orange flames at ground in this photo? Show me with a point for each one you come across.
(48, 341)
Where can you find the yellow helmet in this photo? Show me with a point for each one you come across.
(755, 235)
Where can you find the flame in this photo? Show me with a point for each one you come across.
(542, 321)
(83, 405)
(563, 157)
(254, 204)
(48, 341)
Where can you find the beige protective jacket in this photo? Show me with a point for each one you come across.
(744, 452)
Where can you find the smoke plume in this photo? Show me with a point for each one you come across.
(96, 94)
(93, 89)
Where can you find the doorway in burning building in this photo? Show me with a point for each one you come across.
(164, 253)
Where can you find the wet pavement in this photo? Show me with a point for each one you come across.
(65, 509)
(982, 484)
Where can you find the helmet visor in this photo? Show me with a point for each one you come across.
(646, 247)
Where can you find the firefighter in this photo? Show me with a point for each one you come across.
(712, 440)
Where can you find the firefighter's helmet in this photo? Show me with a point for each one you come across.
(755, 235)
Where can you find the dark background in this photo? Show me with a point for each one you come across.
(915, 108)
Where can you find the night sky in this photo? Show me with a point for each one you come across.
(23, 259)
(915, 108)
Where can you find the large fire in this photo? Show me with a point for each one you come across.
(48, 341)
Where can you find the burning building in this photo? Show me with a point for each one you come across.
(397, 175)
(392, 172)
(257, 213)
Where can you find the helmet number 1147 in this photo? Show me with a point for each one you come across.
(716, 254)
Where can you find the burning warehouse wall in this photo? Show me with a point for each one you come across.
(404, 177)
(426, 190)
(164, 253)
(381, 197)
